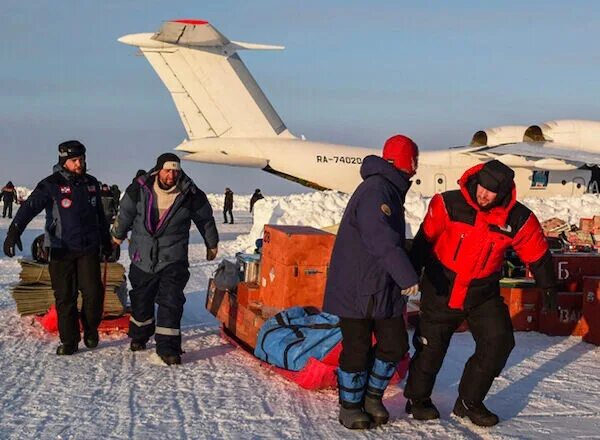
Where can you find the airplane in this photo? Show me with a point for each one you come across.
(230, 121)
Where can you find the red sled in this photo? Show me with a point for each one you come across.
(119, 324)
(316, 374)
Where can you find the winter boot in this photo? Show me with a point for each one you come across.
(476, 412)
(422, 409)
(171, 359)
(379, 378)
(91, 340)
(137, 345)
(66, 349)
(352, 390)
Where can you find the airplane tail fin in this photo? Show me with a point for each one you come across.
(215, 94)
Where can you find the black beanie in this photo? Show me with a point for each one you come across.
(167, 157)
(496, 177)
(69, 150)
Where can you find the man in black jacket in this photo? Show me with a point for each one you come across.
(228, 205)
(75, 231)
(8, 196)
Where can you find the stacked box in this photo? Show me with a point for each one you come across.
(294, 265)
(567, 322)
(570, 268)
(591, 309)
(524, 304)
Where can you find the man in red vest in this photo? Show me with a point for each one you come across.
(461, 246)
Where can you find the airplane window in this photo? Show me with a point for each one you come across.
(418, 181)
(578, 185)
(539, 179)
(564, 182)
(440, 181)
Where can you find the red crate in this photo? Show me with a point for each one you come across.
(591, 309)
(570, 268)
(297, 245)
(524, 305)
(567, 322)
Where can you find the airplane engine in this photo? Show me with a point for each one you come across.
(570, 134)
(498, 135)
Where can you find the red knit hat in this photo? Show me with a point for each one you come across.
(403, 153)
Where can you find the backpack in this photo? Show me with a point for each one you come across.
(227, 276)
(290, 338)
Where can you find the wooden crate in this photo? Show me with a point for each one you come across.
(297, 245)
(524, 304)
(241, 321)
(591, 309)
(570, 268)
(568, 321)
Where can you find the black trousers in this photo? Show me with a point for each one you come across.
(166, 289)
(230, 211)
(7, 207)
(71, 271)
(358, 351)
(492, 330)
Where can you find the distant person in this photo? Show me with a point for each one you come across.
(368, 275)
(9, 196)
(75, 231)
(255, 198)
(116, 192)
(108, 203)
(228, 205)
(158, 209)
(462, 245)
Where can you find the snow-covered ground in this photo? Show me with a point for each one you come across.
(550, 387)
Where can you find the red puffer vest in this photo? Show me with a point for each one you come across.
(472, 243)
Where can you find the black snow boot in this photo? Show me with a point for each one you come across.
(354, 417)
(476, 412)
(379, 378)
(137, 345)
(66, 349)
(171, 359)
(375, 408)
(422, 409)
(91, 340)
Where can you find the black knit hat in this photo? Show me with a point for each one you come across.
(496, 177)
(69, 150)
(171, 160)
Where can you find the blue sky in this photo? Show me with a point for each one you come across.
(353, 72)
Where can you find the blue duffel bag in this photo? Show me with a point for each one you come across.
(291, 337)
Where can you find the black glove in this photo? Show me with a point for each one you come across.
(550, 300)
(107, 249)
(13, 237)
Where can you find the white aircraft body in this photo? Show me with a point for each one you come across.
(230, 121)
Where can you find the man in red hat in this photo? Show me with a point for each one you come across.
(461, 245)
(369, 270)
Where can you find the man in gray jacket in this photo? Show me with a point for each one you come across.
(158, 208)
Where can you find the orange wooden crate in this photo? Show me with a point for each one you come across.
(294, 264)
(247, 293)
(524, 304)
(283, 285)
(591, 309)
(297, 245)
(243, 322)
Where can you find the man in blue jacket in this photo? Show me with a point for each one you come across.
(75, 231)
(158, 208)
(368, 274)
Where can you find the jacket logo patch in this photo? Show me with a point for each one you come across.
(65, 189)
(386, 209)
(506, 228)
(66, 203)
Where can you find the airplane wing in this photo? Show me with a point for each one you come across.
(538, 155)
